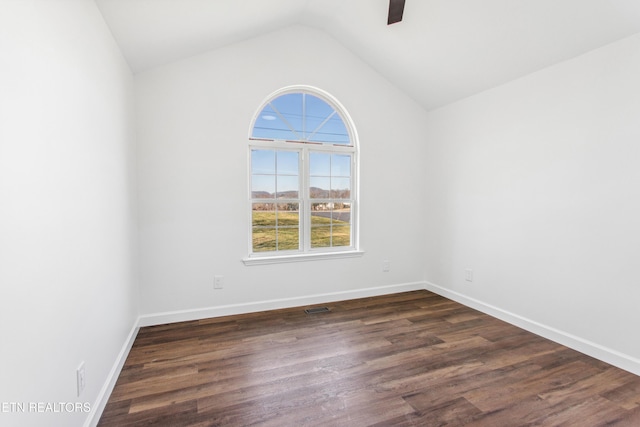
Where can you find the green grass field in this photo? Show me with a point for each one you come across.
(323, 233)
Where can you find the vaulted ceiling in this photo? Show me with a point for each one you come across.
(442, 51)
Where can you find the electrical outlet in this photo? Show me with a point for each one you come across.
(218, 282)
(386, 266)
(468, 275)
(80, 378)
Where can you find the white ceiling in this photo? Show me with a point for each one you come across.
(442, 51)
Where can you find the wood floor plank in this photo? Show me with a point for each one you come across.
(407, 359)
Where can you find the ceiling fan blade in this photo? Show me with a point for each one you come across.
(396, 8)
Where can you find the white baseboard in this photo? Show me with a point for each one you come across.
(610, 356)
(597, 351)
(103, 397)
(226, 310)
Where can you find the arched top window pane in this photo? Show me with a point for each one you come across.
(300, 117)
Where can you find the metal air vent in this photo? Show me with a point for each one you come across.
(316, 310)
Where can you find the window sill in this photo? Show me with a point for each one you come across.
(258, 260)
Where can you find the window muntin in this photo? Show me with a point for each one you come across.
(275, 226)
(275, 174)
(300, 117)
(302, 178)
(330, 194)
(275, 208)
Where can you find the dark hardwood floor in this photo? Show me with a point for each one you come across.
(409, 359)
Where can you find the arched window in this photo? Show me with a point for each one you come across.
(303, 171)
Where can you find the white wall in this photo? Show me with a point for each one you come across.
(535, 185)
(67, 217)
(193, 121)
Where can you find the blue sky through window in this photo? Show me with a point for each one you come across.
(274, 173)
(300, 117)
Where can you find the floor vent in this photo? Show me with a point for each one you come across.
(316, 310)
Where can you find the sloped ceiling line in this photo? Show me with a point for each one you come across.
(443, 51)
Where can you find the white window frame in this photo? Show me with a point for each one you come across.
(306, 252)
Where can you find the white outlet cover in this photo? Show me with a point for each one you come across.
(218, 282)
